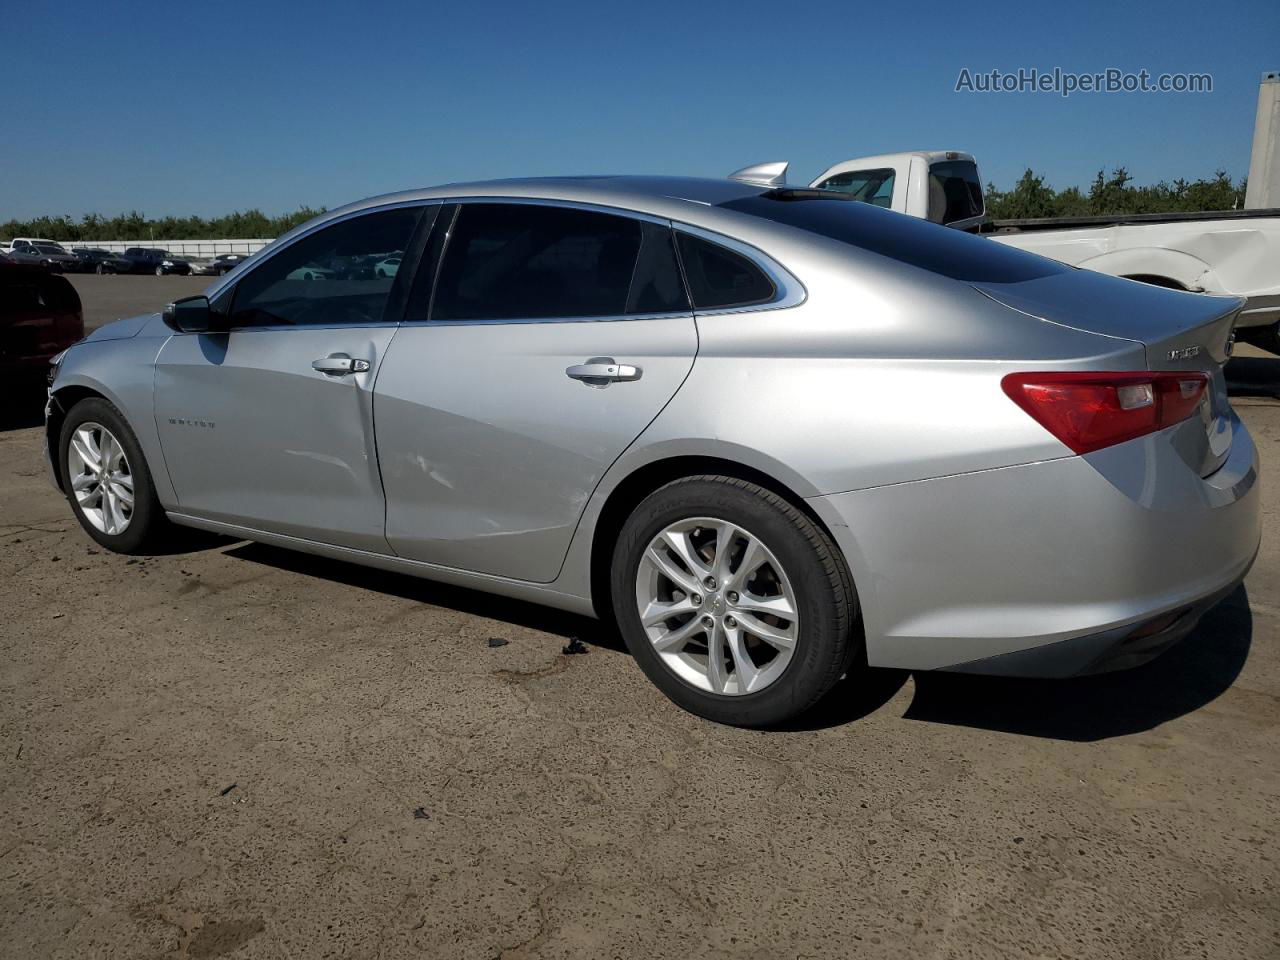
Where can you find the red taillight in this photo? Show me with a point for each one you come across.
(1088, 411)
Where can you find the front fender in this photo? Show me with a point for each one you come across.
(122, 371)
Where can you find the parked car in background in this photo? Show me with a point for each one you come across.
(153, 260)
(19, 242)
(97, 260)
(1232, 252)
(202, 266)
(309, 271)
(776, 434)
(43, 253)
(387, 267)
(40, 316)
(226, 262)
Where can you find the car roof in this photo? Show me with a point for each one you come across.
(660, 196)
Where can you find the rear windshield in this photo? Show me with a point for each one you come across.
(943, 250)
(955, 193)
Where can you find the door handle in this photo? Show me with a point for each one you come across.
(340, 366)
(601, 371)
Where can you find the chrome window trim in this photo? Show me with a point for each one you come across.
(790, 291)
(281, 327)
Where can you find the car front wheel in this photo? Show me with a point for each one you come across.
(734, 602)
(106, 479)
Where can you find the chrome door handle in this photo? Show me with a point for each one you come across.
(340, 366)
(601, 371)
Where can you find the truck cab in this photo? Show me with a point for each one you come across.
(938, 185)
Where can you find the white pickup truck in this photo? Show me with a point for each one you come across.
(1226, 252)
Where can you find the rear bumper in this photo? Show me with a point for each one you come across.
(1052, 568)
(1119, 648)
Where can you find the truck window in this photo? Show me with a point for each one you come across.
(954, 191)
(869, 186)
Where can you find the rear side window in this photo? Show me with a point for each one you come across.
(329, 277)
(720, 278)
(530, 261)
(869, 186)
(954, 191)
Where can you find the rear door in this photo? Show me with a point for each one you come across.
(554, 335)
(270, 425)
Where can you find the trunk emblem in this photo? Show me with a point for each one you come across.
(1184, 353)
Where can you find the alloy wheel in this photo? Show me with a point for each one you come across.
(717, 606)
(101, 478)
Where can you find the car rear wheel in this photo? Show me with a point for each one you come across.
(106, 479)
(733, 601)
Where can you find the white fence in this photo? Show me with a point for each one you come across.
(181, 248)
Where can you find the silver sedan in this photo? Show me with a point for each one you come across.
(777, 435)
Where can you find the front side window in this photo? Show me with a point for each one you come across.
(720, 278)
(328, 277)
(507, 261)
(869, 186)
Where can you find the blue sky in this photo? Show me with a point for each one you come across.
(209, 107)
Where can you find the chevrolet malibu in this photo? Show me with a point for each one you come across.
(777, 435)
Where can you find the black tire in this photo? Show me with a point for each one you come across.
(159, 271)
(148, 525)
(828, 644)
(101, 269)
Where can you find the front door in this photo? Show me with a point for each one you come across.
(556, 334)
(270, 425)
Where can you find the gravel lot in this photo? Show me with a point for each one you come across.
(235, 750)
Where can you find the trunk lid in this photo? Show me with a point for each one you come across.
(1179, 331)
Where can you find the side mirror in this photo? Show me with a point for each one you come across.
(191, 315)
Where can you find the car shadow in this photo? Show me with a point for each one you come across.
(1253, 376)
(22, 406)
(1192, 673)
(464, 600)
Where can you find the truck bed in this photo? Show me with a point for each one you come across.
(1117, 219)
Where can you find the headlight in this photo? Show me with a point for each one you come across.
(166, 263)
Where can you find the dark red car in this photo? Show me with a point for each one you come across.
(40, 316)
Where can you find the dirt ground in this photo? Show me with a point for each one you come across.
(237, 751)
(107, 298)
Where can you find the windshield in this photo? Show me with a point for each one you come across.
(869, 186)
(943, 250)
